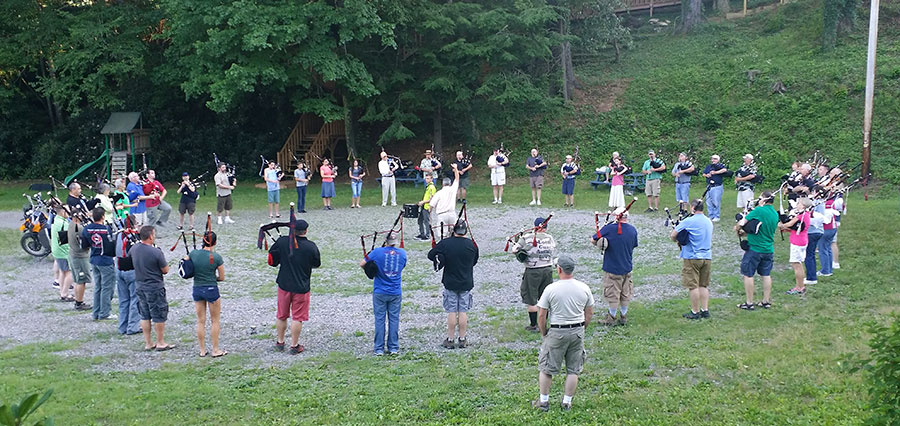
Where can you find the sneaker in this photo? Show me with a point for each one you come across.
(220, 220)
(649, 210)
(822, 274)
(297, 349)
(691, 315)
(715, 220)
(533, 202)
(808, 282)
(461, 344)
(55, 285)
(109, 317)
(532, 328)
(383, 204)
(501, 202)
(543, 406)
(302, 211)
(494, 202)
(565, 406)
(279, 346)
(393, 353)
(704, 314)
(623, 319)
(608, 320)
(82, 306)
(394, 204)
(448, 344)
(228, 219)
(379, 353)
(179, 228)
(835, 265)
(539, 202)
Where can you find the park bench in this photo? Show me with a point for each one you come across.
(633, 181)
(407, 175)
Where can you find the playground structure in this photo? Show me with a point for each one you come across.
(124, 136)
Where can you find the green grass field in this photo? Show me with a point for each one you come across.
(764, 367)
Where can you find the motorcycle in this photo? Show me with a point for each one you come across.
(35, 227)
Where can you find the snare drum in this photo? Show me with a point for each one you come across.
(411, 211)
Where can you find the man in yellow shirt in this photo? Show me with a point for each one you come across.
(425, 208)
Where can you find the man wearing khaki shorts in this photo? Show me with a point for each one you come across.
(652, 168)
(618, 288)
(537, 250)
(697, 257)
(536, 167)
(566, 308)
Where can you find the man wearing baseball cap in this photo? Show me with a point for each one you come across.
(537, 250)
(743, 179)
(618, 288)
(293, 282)
(652, 169)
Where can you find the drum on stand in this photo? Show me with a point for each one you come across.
(411, 211)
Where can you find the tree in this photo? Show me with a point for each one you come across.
(691, 14)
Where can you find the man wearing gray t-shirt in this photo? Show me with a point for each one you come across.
(149, 268)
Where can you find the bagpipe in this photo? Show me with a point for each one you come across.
(370, 268)
(306, 170)
(229, 169)
(186, 265)
(753, 226)
(690, 163)
(657, 162)
(334, 168)
(395, 163)
(265, 165)
(748, 170)
(129, 238)
(200, 181)
(265, 228)
(574, 166)
(683, 236)
(514, 238)
(503, 156)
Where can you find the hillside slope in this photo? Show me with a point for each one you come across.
(692, 93)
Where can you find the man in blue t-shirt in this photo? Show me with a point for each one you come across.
(697, 257)
(619, 239)
(99, 238)
(273, 188)
(386, 294)
(135, 192)
(713, 173)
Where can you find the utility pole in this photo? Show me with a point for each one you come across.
(870, 90)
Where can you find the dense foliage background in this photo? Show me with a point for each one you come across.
(233, 77)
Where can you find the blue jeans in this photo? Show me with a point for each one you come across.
(810, 262)
(104, 283)
(387, 304)
(714, 201)
(356, 186)
(682, 192)
(129, 319)
(301, 198)
(826, 257)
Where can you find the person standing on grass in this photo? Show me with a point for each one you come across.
(60, 253)
(209, 270)
(758, 259)
(617, 184)
(829, 225)
(425, 208)
(682, 173)
(697, 259)
(814, 235)
(356, 173)
(458, 256)
(536, 166)
(99, 237)
(188, 202)
(566, 308)
(713, 173)
(273, 177)
(743, 179)
(301, 177)
(126, 287)
(463, 164)
(328, 175)
(498, 162)
(387, 293)
(568, 171)
(295, 269)
(224, 187)
(799, 239)
(149, 268)
(535, 248)
(653, 169)
(79, 262)
(618, 287)
(387, 167)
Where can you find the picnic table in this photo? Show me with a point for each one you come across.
(408, 174)
(633, 181)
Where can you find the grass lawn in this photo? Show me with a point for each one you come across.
(763, 367)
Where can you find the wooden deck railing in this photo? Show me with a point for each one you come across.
(309, 140)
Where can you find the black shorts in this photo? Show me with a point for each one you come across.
(152, 304)
(188, 208)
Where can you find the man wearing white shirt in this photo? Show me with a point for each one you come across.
(388, 184)
(443, 202)
(497, 162)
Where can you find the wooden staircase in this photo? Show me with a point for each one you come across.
(309, 141)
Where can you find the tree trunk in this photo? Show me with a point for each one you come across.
(438, 131)
(565, 59)
(349, 129)
(723, 6)
(690, 14)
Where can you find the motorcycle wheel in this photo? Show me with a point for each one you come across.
(31, 243)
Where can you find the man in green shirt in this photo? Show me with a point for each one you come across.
(758, 258)
(425, 208)
(60, 254)
(652, 168)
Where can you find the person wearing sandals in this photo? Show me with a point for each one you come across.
(387, 292)
(799, 240)
(356, 173)
(273, 176)
(295, 268)
(209, 269)
(149, 267)
(697, 259)
(458, 256)
(758, 258)
(60, 254)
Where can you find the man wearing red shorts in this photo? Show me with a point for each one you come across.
(293, 283)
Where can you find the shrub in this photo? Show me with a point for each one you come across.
(882, 372)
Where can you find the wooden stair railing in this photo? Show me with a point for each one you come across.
(309, 140)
